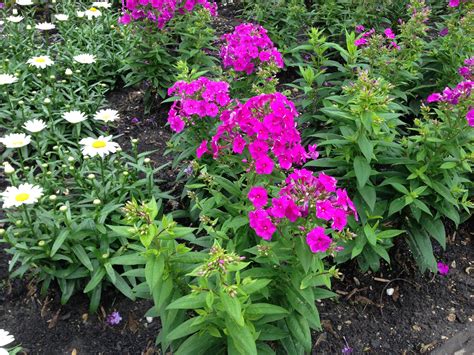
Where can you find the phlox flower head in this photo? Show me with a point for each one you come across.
(264, 126)
(248, 48)
(258, 196)
(470, 117)
(261, 222)
(304, 195)
(318, 241)
(196, 100)
(453, 96)
(160, 11)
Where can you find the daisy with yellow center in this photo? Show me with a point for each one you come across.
(40, 62)
(92, 12)
(15, 140)
(101, 146)
(25, 194)
(106, 115)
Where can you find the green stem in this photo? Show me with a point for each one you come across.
(28, 219)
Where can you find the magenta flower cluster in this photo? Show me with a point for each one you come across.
(455, 3)
(198, 99)
(248, 48)
(265, 126)
(303, 195)
(467, 71)
(160, 11)
(364, 40)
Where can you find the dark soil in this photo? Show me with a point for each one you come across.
(423, 312)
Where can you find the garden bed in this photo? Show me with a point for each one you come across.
(423, 313)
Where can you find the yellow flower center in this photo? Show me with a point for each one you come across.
(40, 60)
(18, 143)
(22, 197)
(99, 144)
(93, 9)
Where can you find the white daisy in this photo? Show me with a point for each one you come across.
(5, 339)
(61, 17)
(101, 146)
(42, 61)
(85, 58)
(35, 125)
(15, 140)
(74, 116)
(15, 19)
(24, 2)
(102, 4)
(6, 79)
(92, 12)
(25, 194)
(80, 13)
(106, 115)
(45, 26)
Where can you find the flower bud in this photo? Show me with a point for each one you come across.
(41, 243)
(21, 102)
(18, 223)
(15, 12)
(2, 231)
(53, 197)
(147, 160)
(28, 27)
(39, 75)
(44, 165)
(105, 256)
(91, 176)
(8, 168)
(70, 159)
(52, 77)
(47, 101)
(134, 141)
(49, 173)
(68, 71)
(63, 208)
(55, 147)
(125, 173)
(97, 202)
(78, 71)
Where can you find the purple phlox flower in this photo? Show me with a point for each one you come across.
(134, 120)
(359, 28)
(444, 32)
(443, 268)
(114, 318)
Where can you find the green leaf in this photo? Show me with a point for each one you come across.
(368, 193)
(59, 241)
(128, 259)
(82, 256)
(242, 337)
(322, 293)
(362, 170)
(261, 309)
(390, 233)
(97, 277)
(191, 301)
(396, 205)
(448, 165)
(184, 329)
(370, 234)
(233, 308)
(420, 245)
(299, 329)
(380, 250)
(366, 147)
(436, 229)
(197, 343)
